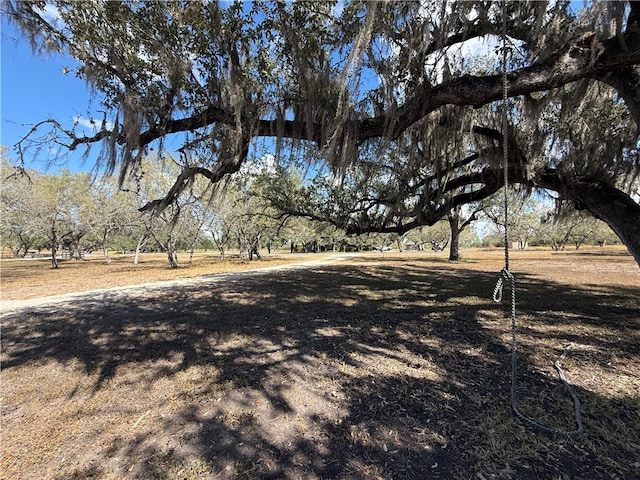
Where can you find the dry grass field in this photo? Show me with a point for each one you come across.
(362, 367)
(35, 278)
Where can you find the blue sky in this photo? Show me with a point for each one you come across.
(34, 88)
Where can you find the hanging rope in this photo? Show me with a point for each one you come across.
(507, 277)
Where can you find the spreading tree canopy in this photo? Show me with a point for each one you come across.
(396, 104)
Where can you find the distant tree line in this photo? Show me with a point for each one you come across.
(71, 214)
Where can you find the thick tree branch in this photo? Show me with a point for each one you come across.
(226, 166)
(603, 201)
(584, 58)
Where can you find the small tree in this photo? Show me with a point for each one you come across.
(16, 204)
(113, 211)
(50, 213)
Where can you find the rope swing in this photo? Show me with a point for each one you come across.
(507, 277)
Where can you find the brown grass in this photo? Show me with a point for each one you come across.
(371, 367)
(35, 278)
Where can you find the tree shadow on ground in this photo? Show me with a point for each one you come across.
(382, 370)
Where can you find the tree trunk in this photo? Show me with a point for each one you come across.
(23, 249)
(253, 249)
(220, 243)
(171, 254)
(142, 241)
(74, 250)
(105, 247)
(454, 247)
(565, 239)
(192, 247)
(54, 246)
(603, 201)
(54, 256)
(242, 246)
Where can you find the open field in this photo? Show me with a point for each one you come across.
(34, 278)
(367, 367)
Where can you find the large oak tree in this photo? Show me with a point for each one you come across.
(389, 96)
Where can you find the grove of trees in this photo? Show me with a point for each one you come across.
(384, 116)
(75, 214)
(72, 214)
